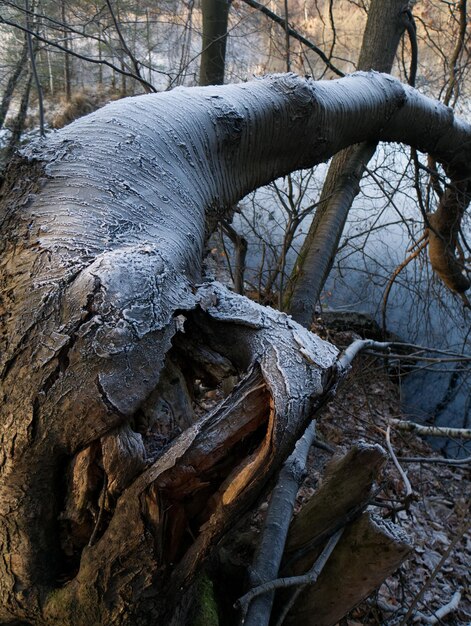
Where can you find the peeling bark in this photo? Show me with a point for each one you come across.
(444, 226)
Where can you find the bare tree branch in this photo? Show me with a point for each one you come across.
(293, 33)
(147, 86)
(294, 581)
(436, 460)
(439, 614)
(54, 44)
(275, 532)
(432, 431)
(405, 479)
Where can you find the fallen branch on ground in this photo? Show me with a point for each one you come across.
(432, 431)
(442, 612)
(405, 479)
(294, 581)
(437, 460)
(272, 545)
(345, 360)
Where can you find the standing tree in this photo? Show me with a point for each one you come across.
(215, 15)
(113, 488)
(385, 26)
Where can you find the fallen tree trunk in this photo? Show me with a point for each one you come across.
(103, 227)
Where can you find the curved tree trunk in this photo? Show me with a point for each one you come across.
(102, 231)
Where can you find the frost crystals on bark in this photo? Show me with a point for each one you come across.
(103, 226)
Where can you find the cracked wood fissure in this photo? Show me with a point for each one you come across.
(102, 231)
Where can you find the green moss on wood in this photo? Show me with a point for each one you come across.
(206, 612)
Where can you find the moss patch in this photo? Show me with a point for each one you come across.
(205, 610)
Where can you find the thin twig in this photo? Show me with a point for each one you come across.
(395, 274)
(319, 566)
(416, 243)
(415, 357)
(293, 33)
(319, 539)
(462, 529)
(294, 581)
(436, 460)
(415, 346)
(443, 611)
(408, 486)
(457, 52)
(345, 360)
(147, 86)
(76, 54)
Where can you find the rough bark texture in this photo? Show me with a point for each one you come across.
(384, 29)
(102, 228)
(352, 572)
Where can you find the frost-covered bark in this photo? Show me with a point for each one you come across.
(102, 232)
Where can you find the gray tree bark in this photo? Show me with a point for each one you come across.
(103, 226)
(67, 57)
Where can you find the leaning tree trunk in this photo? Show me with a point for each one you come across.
(112, 493)
(384, 29)
(12, 83)
(18, 123)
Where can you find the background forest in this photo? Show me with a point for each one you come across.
(62, 59)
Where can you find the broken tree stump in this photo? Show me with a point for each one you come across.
(369, 551)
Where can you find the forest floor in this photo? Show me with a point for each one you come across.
(437, 519)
